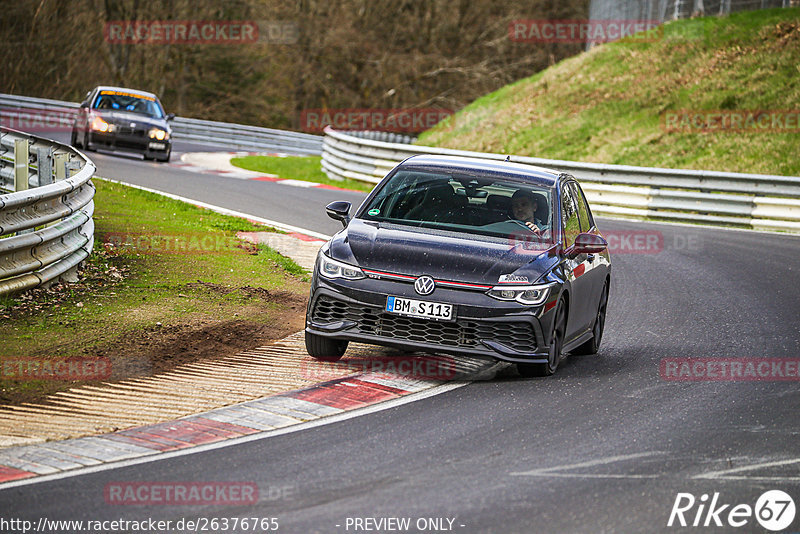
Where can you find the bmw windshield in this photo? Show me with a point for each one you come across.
(476, 204)
(130, 102)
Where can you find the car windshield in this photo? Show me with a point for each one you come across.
(130, 102)
(464, 202)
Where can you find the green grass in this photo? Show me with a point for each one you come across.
(306, 168)
(607, 105)
(129, 291)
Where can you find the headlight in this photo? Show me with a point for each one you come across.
(98, 124)
(158, 133)
(330, 268)
(528, 295)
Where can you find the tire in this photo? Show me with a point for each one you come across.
(530, 370)
(593, 345)
(325, 349)
(74, 139)
(85, 144)
(165, 159)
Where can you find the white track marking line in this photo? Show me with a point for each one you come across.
(326, 420)
(224, 211)
(724, 474)
(549, 471)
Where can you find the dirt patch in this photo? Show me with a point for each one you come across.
(284, 297)
(159, 349)
(267, 315)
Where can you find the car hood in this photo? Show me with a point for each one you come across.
(121, 117)
(414, 252)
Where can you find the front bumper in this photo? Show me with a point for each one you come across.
(137, 141)
(354, 311)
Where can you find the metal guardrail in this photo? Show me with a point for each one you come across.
(46, 226)
(221, 134)
(758, 201)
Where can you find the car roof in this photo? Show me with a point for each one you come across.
(124, 90)
(520, 171)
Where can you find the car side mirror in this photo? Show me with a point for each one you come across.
(170, 116)
(340, 211)
(587, 243)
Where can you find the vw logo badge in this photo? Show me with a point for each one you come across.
(424, 285)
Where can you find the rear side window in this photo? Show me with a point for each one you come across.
(584, 215)
(569, 215)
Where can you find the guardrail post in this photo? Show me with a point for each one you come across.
(21, 157)
(44, 166)
(60, 162)
(72, 166)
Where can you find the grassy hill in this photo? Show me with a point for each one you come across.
(609, 105)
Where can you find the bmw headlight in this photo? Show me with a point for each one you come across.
(528, 295)
(330, 268)
(99, 125)
(158, 133)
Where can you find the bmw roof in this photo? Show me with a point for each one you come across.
(519, 171)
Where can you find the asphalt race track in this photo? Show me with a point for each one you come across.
(604, 446)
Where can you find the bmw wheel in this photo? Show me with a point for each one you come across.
(85, 144)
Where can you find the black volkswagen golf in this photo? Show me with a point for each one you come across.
(464, 256)
(126, 119)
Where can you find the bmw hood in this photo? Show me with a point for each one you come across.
(442, 255)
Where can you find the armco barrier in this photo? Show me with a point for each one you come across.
(46, 226)
(755, 201)
(184, 129)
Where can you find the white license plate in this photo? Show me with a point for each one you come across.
(420, 308)
(158, 146)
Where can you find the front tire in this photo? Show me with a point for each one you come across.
(85, 144)
(325, 349)
(531, 370)
(166, 157)
(593, 345)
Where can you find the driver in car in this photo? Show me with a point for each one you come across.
(524, 207)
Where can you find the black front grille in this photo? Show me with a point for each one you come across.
(128, 131)
(518, 336)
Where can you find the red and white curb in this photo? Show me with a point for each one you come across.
(257, 418)
(219, 163)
